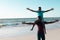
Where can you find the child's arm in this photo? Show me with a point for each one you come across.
(49, 10)
(31, 10)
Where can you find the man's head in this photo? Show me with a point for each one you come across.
(39, 8)
(39, 18)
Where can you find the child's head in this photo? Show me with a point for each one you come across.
(39, 8)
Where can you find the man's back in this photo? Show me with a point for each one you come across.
(40, 26)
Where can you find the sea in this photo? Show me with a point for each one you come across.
(11, 27)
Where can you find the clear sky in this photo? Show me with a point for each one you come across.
(17, 8)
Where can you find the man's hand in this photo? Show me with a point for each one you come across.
(56, 20)
(31, 29)
(23, 22)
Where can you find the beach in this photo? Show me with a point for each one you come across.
(53, 34)
(10, 31)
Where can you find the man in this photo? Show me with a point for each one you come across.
(41, 27)
(40, 12)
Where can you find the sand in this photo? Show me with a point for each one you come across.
(53, 34)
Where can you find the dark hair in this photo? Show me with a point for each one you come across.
(39, 7)
(39, 17)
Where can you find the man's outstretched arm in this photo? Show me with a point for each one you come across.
(44, 22)
(31, 10)
(29, 24)
(51, 22)
(49, 10)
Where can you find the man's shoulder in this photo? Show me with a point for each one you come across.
(36, 21)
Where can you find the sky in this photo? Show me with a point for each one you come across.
(17, 8)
